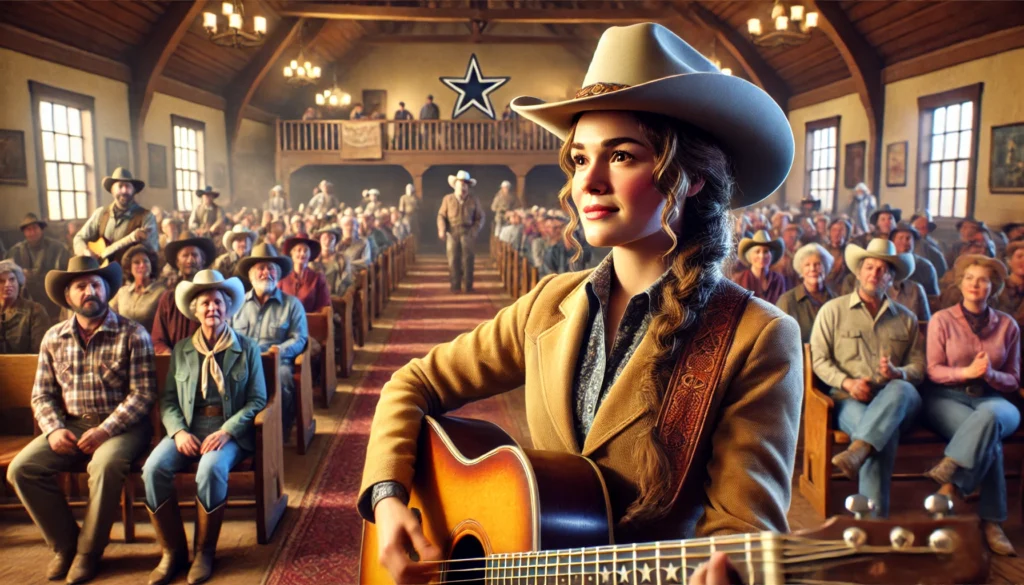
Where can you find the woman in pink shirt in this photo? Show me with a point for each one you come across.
(303, 283)
(973, 360)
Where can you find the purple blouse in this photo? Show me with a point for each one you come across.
(952, 346)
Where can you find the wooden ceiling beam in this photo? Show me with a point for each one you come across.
(532, 16)
(47, 49)
(462, 39)
(148, 64)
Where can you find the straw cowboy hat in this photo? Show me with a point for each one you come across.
(761, 238)
(646, 67)
(461, 176)
(209, 280)
(236, 233)
(263, 253)
(31, 219)
(996, 266)
(205, 245)
(880, 249)
(897, 214)
(313, 245)
(927, 215)
(208, 191)
(827, 260)
(79, 266)
(120, 175)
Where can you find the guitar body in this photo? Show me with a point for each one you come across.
(98, 247)
(479, 494)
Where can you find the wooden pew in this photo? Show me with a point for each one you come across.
(378, 287)
(321, 328)
(361, 306)
(344, 340)
(17, 424)
(305, 423)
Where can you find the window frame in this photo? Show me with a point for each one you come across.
(926, 106)
(41, 92)
(199, 127)
(809, 129)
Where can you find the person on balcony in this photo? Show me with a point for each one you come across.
(430, 111)
(357, 112)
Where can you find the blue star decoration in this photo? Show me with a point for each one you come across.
(474, 89)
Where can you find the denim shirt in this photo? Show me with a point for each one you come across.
(281, 321)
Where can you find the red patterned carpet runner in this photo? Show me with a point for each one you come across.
(323, 546)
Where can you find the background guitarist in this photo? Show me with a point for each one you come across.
(121, 224)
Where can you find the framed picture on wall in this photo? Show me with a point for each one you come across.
(157, 157)
(117, 155)
(13, 168)
(853, 169)
(1006, 174)
(896, 164)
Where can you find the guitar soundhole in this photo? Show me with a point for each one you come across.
(460, 570)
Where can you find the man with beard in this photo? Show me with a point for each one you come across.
(882, 221)
(207, 214)
(122, 218)
(94, 388)
(187, 258)
(38, 255)
(273, 318)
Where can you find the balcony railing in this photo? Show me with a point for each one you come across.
(422, 136)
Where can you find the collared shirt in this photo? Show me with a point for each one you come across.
(803, 307)
(281, 321)
(925, 275)
(321, 202)
(847, 342)
(911, 295)
(225, 263)
(169, 325)
(310, 288)
(115, 374)
(139, 306)
(49, 255)
(597, 368)
(769, 287)
(952, 346)
(459, 216)
(116, 228)
(22, 327)
(204, 216)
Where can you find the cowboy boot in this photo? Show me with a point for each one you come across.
(59, 565)
(850, 461)
(943, 471)
(83, 568)
(170, 534)
(207, 532)
(997, 540)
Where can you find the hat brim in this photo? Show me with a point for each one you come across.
(58, 280)
(314, 247)
(245, 264)
(109, 182)
(748, 124)
(206, 245)
(186, 291)
(42, 224)
(214, 194)
(776, 247)
(230, 237)
(897, 215)
(903, 263)
(453, 178)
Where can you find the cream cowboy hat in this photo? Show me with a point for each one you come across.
(461, 176)
(209, 280)
(235, 233)
(646, 67)
(881, 249)
(761, 238)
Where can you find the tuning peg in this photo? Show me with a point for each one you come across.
(938, 505)
(859, 505)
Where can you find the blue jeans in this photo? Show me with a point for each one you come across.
(211, 477)
(975, 427)
(878, 423)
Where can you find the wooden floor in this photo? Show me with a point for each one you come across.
(240, 560)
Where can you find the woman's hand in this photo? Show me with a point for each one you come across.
(400, 539)
(187, 443)
(978, 368)
(215, 442)
(717, 571)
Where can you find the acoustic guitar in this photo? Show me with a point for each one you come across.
(506, 515)
(107, 251)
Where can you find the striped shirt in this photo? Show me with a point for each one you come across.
(114, 374)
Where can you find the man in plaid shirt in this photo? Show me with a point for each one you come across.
(94, 389)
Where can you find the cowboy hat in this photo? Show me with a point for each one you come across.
(30, 219)
(927, 215)
(208, 191)
(646, 67)
(78, 266)
(761, 238)
(126, 261)
(205, 245)
(313, 245)
(814, 203)
(235, 233)
(1006, 228)
(209, 280)
(996, 266)
(461, 176)
(897, 214)
(827, 260)
(410, 189)
(905, 227)
(334, 230)
(119, 175)
(981, 225)
(880, 249)
(263, 253)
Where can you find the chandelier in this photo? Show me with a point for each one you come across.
(333, 97)
(790, 28)
(716, 61)
(300, 71)
(234, 35)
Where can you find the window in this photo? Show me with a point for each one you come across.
(821, 181)
(189, 160)
(948, 149)
(64, 125)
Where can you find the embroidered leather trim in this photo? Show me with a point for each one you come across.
(688, 405)
(599, 88)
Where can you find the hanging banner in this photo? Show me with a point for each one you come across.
(362, 140)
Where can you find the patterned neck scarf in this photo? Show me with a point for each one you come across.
(210, 368)
(976, 321)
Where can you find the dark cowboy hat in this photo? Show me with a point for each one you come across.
(927, 215)
(208, 191)
(904, 226)
(314, 246)
(205, 245)
(981, 225)
(332, 229)
(1006, 228)
(263, 253)
(897, 214)
(119, 175)
(814, 203)
(78, 266)
(30, 219)
(126, 261)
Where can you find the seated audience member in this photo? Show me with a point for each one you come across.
(928, 246)
(374, 233)
(170, 230)
(973, 362)
(791, 236)
(558, 256)
(839, 230)
(23, 323)
(276, 205)
(37, 255)
(867, 348)
(1013, 231)
(883, 220)
(759, 253)
(906, 236)
(399, 225)
(332, 263)
(273, 318)
(808, 207)
(303, 283)
(94, 389)
(969, 229)
(1012, 299)
(238, 241)
(952, 295)
(803, 301)
(139, 297)
(356, 249)
(907, 293)
(207, 214)
(821, 223)
(215, 388)
(186, 258)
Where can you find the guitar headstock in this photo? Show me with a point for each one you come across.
(942, 549)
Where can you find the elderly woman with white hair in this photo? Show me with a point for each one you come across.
(215, 387)
(23, 323)
(813, 263)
